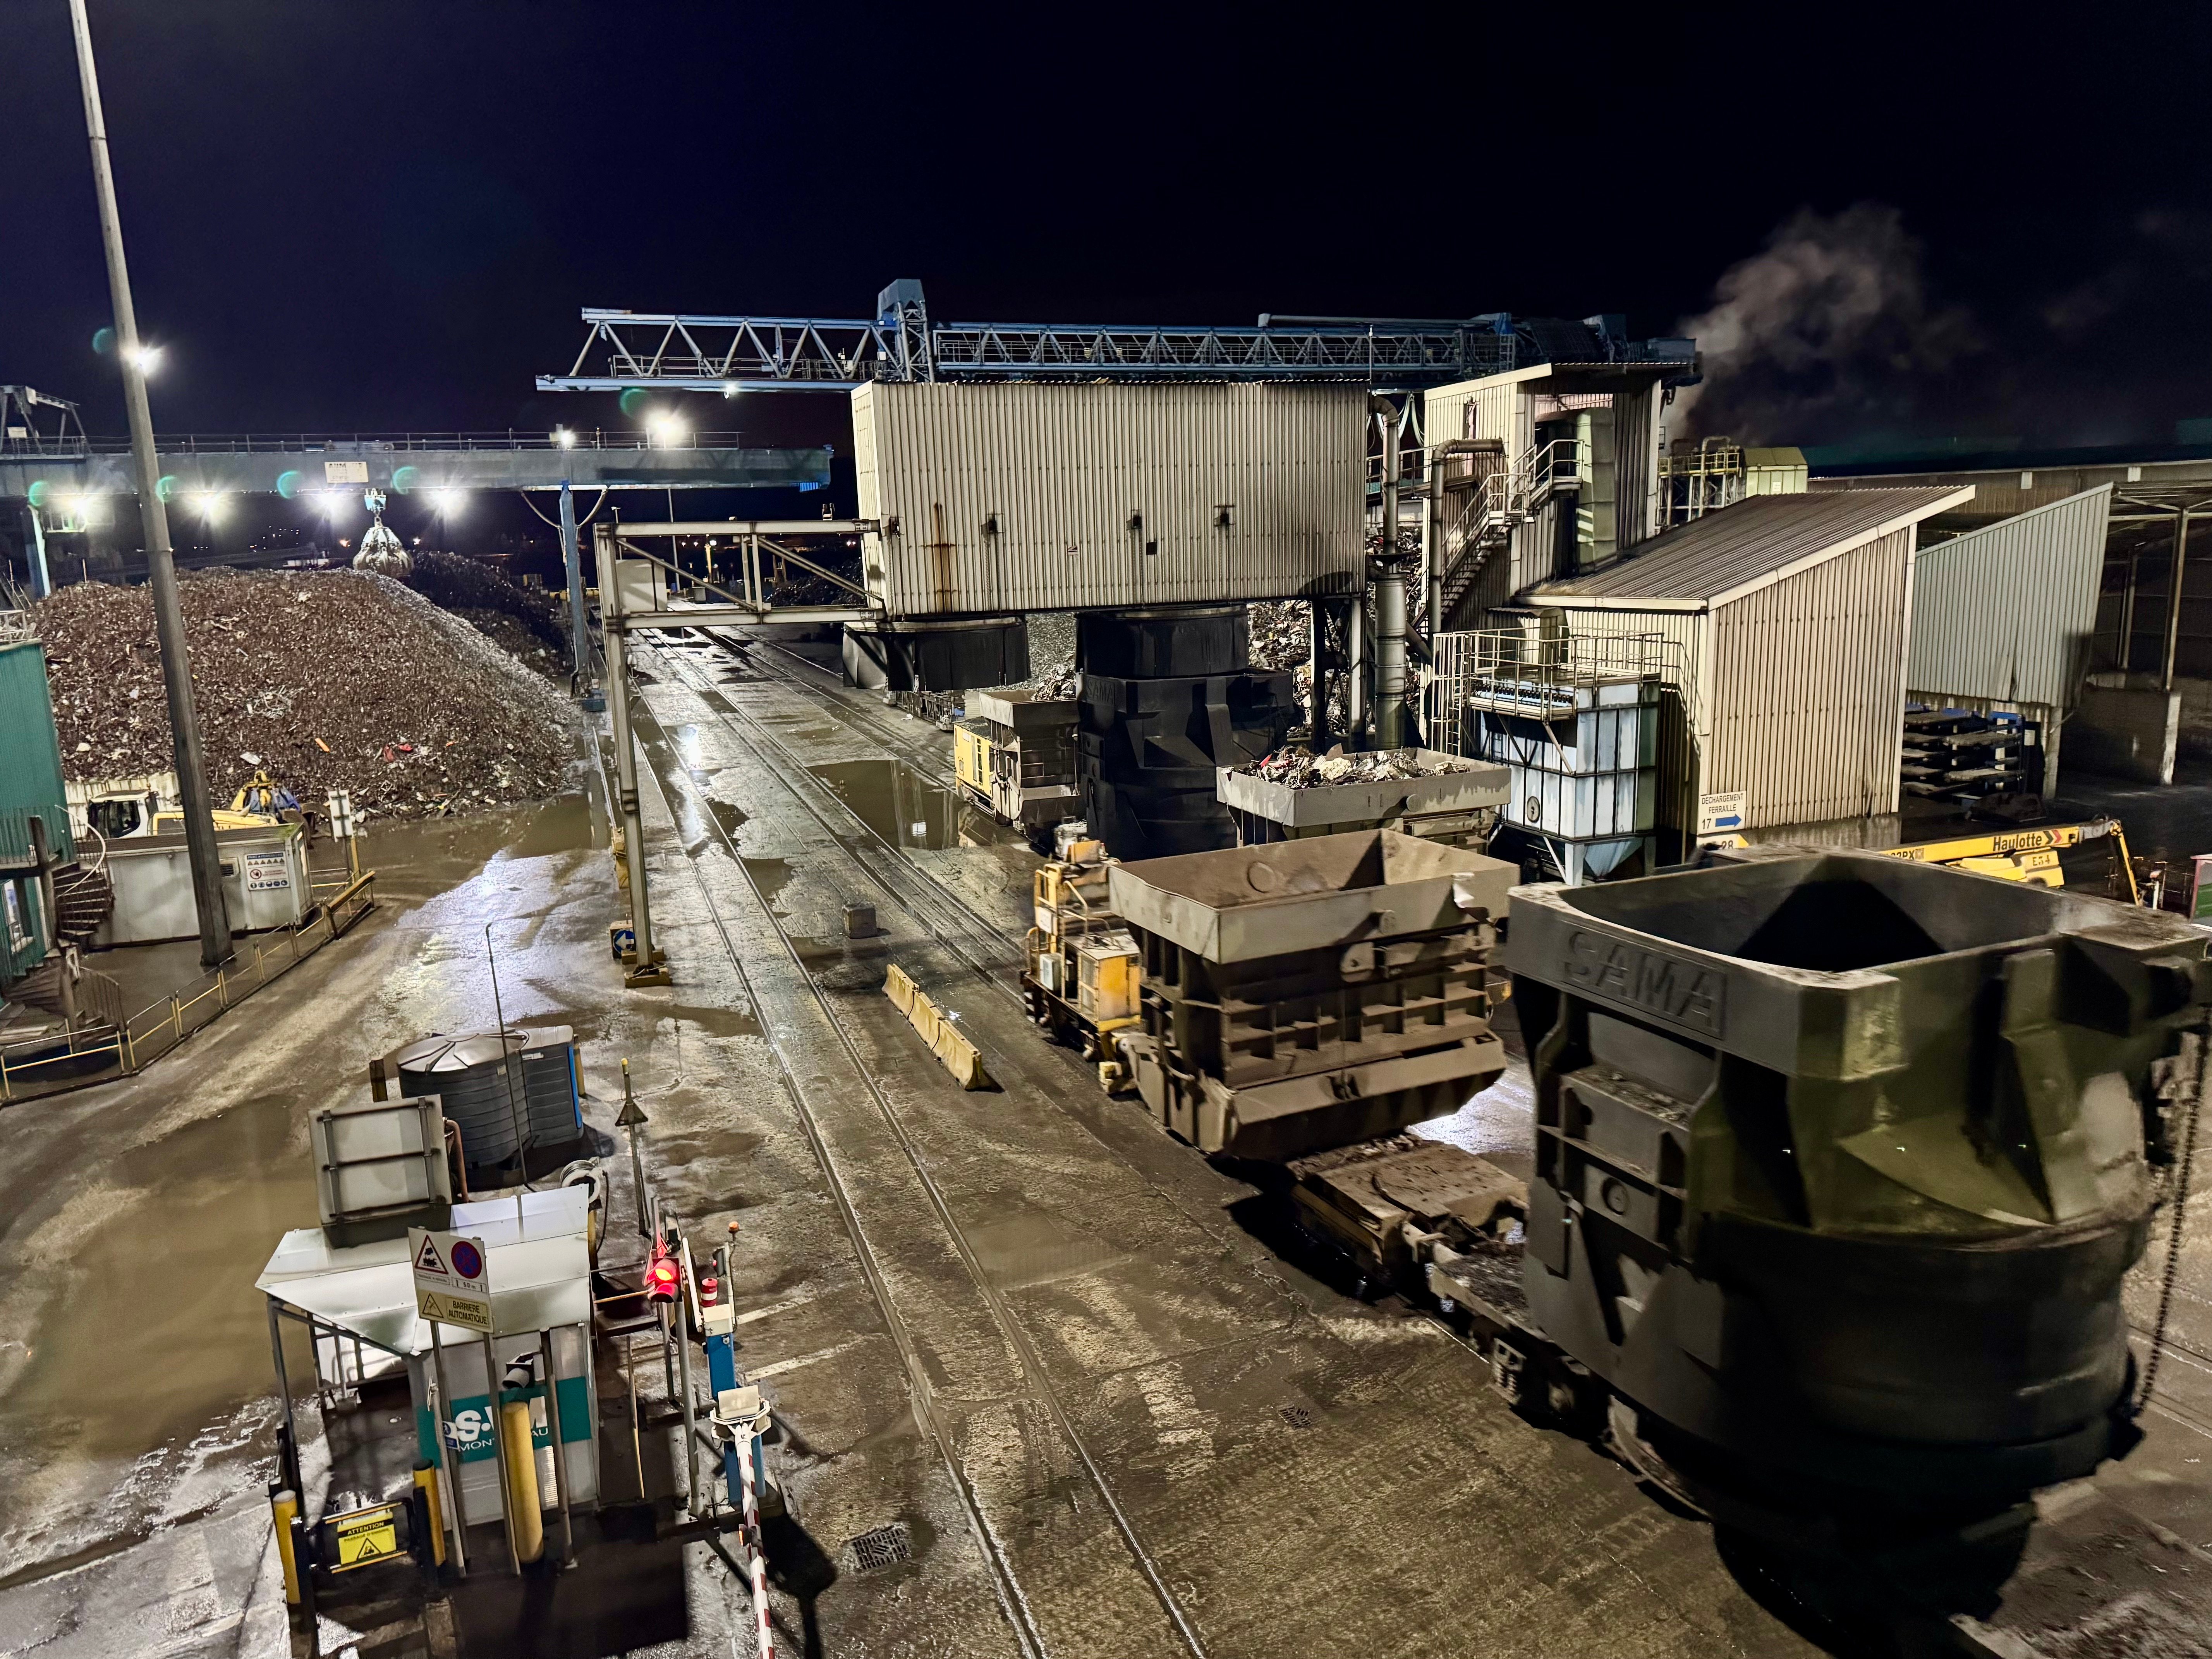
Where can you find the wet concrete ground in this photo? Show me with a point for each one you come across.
(1050, 1348)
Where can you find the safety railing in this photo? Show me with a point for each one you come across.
(122, 1047)
(257, 443)
(1535, 674)
(1693, 482)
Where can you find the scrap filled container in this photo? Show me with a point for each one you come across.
(1416, 791)
(1311, 993)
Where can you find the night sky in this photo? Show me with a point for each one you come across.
(1992, 221)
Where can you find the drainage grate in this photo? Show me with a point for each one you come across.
(881, 1548)
(1297, 1417)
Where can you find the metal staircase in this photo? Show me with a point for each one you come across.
(1484, 500)
(83, 899)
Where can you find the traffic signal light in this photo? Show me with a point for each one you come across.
(663, 1279)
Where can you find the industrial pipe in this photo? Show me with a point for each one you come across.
(496, 1420)
(1389, 583)
(449, 1466)
(560, 1445)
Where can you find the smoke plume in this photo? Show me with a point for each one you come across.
(1828, 332)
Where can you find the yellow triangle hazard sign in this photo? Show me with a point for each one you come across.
(427, 1260)
(367, 1549)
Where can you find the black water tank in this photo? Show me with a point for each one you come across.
(481, 1098)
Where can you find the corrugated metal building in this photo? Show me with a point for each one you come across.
(1619, 404)
(2003, 617)
(30, 787)
(1021, 497)
(1792, 615)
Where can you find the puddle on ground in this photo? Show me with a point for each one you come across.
(769, 875)
(907, 810)
(683, 803)
(730, 817)
(564, 825)
(158, 1330)
(716, 1021)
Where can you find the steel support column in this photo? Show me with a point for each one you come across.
(42, 583)
(580, 631)
(2173, 597)
(647, 969)
(1390, 674)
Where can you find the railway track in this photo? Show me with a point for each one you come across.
(981, 944)
(918, 896)
(804, 676)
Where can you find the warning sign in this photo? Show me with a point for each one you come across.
(367, 1535)
(453, 1284)
(268, 872)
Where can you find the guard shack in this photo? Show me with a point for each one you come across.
(352, 1283)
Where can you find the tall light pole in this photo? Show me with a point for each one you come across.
(160, 565)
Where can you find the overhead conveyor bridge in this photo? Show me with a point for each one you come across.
(683, 351)
(293, 464)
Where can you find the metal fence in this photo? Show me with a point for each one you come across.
(257, 443)
(119, 1048)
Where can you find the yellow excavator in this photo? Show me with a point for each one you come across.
(261, 800)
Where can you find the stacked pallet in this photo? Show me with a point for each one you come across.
(1956, 754)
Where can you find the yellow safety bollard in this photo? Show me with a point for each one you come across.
(521, 1460)
(425, 1476)
(281, 1508)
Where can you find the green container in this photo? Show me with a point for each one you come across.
(30, 787)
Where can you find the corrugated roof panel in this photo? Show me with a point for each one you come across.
(1723, 552)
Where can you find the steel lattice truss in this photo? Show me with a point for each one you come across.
(625, 349)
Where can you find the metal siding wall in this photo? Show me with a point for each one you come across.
(30, 754)
(2008, 611)
(1636, 466)
(1063, 467)
(1809, 692)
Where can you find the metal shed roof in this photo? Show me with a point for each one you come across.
(1741, 549)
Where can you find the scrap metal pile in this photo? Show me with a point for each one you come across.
(1052, 657)
(1282, 634)
(330, 679)
(470, 588)
(1301, 769)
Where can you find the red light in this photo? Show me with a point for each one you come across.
(662, 1279)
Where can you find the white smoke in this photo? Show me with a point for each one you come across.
(1830, 330)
